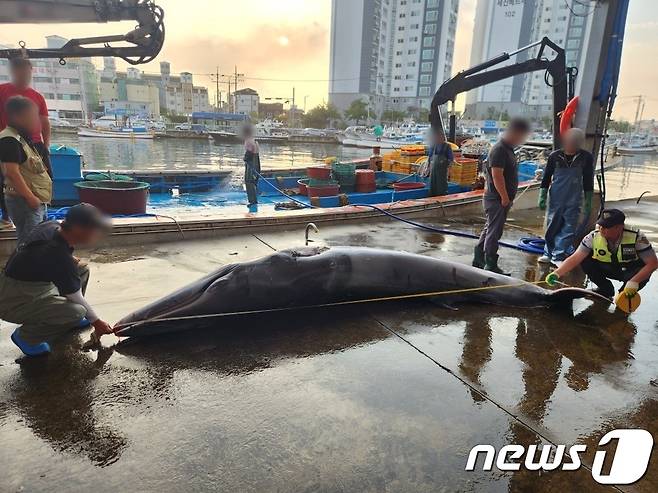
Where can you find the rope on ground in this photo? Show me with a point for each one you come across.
(477, 390)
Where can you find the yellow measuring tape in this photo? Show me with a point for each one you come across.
(328, 305)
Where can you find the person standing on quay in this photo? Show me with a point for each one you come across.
(502, 174)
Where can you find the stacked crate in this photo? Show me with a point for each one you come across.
(464, 171)
(345, 175)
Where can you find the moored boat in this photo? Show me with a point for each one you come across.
(124, 133)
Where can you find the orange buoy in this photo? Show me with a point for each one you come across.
(566, 117)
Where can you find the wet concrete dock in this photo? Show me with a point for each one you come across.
(383, 397)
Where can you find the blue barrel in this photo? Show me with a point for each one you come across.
(67, 170)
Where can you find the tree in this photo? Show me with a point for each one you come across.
(392, 116)
(320, 116)
(621, 126)
(491, 113)
(357, 111)
(504, 116)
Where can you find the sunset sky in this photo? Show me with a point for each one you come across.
(285, 43)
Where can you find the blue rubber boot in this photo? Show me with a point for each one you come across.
(30, 349)
(83, 324)
(253, 208)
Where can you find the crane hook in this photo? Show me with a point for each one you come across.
(310, 226)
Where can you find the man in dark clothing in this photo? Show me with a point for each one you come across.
(251, 167)
(502, 181)
(440, 158)
(42, 286)
(569, 182)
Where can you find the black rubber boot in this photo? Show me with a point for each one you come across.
(491, 264)
(478, 257)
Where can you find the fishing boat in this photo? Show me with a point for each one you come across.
(632, 150)
(122, 133)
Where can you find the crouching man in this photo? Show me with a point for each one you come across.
(43, 284)
(612, 251)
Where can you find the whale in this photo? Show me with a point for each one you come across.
(309, 277)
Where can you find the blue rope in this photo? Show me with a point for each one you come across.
(530, 245)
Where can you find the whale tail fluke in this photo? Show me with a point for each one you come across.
(566, 295)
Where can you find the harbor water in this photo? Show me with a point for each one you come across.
(630, 177)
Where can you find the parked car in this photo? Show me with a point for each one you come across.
(58, 122)
(197, 128)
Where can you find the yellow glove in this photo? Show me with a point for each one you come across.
(552, 279)
(631, 288)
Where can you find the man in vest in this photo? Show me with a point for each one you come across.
(613, 251)
(27, 184)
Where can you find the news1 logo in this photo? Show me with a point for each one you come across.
(629, 464)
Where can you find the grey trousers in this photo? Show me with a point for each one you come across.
(24, 217)
(37, 306)
(494, 225)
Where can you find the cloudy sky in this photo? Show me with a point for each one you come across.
(285, 43)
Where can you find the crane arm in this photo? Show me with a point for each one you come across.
(141, 45)
(479, 76)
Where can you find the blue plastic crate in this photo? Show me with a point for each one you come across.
(66, 162)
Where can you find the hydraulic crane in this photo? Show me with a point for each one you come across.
(478, 76)
(141, 45)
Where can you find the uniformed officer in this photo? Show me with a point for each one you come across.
(612, 251)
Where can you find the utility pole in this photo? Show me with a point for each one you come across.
(217, 97)
(236, 77)
(292, 110)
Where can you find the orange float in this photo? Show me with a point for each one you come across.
(567, 115)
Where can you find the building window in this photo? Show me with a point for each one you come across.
(432, 16)
(428, 54)
(424, 91)
(429, 41)
(575, 32)
(432, 4)
(425, 79)
(430, 29)
(411, 52)
(426, 66)
(573, 44)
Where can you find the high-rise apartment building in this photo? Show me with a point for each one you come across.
(505, 25)
(391, 53)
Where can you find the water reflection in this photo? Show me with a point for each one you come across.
(179, 154)
(57, 397)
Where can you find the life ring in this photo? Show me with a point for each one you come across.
(567, 115)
